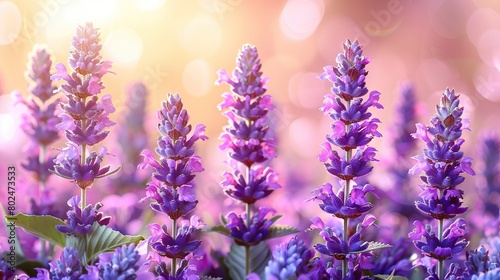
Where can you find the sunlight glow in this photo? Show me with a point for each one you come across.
(202, 30)
(123, 46)
(300, 18)
(198, 77)
(149, 5)
(10, 22)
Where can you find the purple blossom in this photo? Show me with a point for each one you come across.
(356, 205)
(123, 265)
(394, 259)
(478, 261)
(338, 248)
(85, 118)
(246, 135)
(453, 240)
(290, 259)
(175, 203)
(490, 179)
(255, 232)
(185, 271)
(260, 183)
(178, 246)
(80, 221)
(68, 165)
(353, 128)
(442, 163)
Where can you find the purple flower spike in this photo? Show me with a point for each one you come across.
(353, 128)
(442, 163)
(253, 234)
(68, 266)
(290, 259)
(85, 117)
(81, 221)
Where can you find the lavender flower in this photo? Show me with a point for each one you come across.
(478, 261)
(290, 259)
(394, 260)
(85, 118)
(131, 134)
(249, 145)
(123, 264)
(246, 135)
(490, 155)
(5, 269)
(81, 221)
(352, 130)
(442, 162)
(171, 187)
(490, 275)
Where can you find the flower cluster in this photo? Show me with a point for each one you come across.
(123, 265)
(490, 155)
(40, 124)
(249, 145)
(352, 130)
(131, 135)
(246, 137)
(80, 220)
(171, 188)
(290, 259)
(442, 163)
(85, 118)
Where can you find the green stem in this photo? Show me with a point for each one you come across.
(348, 156)
(247, 247)
(440, 236)
(42, 184)
(83, 158)
(174, 235)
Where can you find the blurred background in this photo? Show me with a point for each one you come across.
(177, 46)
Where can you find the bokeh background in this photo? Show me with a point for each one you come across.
(177, 46)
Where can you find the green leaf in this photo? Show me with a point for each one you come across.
(99, 240)
(41, 226)
(373, 245)
(220, 229)
(390, 277)
(235, 260)
(279, 231)
(275, 218)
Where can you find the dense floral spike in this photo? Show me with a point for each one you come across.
(81, 221)
(172, 185)
(246, 137)
(131, 134)
(123, 265)
(68, 266)
(478, 261)
(172, 188)
(290, 259)
(85, 118)
(353, 128)
(490, 155)
(249, 145)
(442, 163)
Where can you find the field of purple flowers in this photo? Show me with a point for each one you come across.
(98, 193)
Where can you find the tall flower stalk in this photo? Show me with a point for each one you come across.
(249, 147)
(353, 129)
(171, 188)
(40, 126)
(85, 117)
(442, 164)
